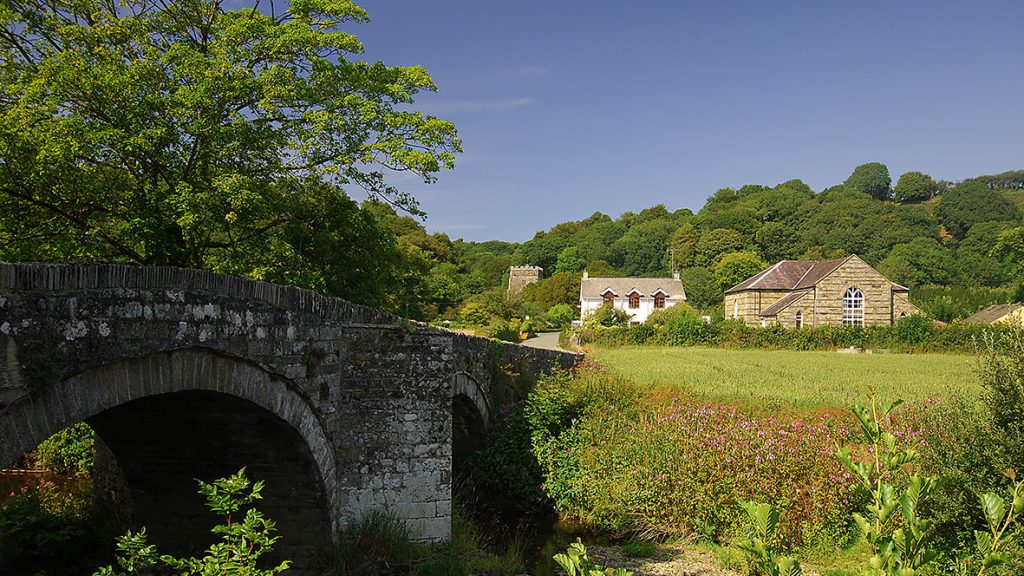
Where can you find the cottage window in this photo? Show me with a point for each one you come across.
(799, 319)
(659, 300)
(609, 298)
(736, 308)
(634, 300)
(853, 307)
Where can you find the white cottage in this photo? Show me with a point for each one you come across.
(638, 297)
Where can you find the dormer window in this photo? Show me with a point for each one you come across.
(659, 300)
(609, 297)
(634, 300)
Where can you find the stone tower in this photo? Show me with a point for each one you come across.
(520, 276)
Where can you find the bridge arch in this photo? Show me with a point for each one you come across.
(180, 411)
(464, 384)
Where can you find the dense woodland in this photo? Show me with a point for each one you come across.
(957, 245)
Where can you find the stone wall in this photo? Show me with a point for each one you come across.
(369, 394)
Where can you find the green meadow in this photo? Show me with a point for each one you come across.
(798, 379)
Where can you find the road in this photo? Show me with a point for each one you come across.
(545, 340)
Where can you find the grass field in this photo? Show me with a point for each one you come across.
(799, 379)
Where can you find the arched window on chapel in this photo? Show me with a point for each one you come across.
(853, 307)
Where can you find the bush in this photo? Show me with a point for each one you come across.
(69, 451)
(973, 442)
(916, 330)
(49, 525)
(607, 316)
(502, 330)
(682, 326)
(243, 542)
(561, 315)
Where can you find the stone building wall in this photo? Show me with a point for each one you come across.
(901, 306)
(520, 277)
(854, 273)
(747, 305)
(805, 304)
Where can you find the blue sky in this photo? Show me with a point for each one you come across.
(567, 108)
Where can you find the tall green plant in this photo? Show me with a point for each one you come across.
(764, 558)
(899, 536)
(242, 543)
(1002, 527)
(575, 562)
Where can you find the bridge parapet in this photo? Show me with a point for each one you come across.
(369, 392)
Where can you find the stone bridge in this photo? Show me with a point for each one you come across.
(184, 374)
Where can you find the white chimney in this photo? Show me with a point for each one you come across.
(585, 274)
(675, 274)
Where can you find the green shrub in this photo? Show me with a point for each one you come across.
(505, 468)
(503, 330)
(50, 526)
(606, 315)
(243, 541)
(561, 315)
(915, 330)
(475, 314)
(69, 451)
(972, 443)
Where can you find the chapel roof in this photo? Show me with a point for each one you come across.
(783, 303)
(790, 275)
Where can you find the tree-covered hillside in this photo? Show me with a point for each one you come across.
(956, 244)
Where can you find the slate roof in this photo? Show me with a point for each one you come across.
(783, 303)
(789, 275)
(992, 313)
(595, 287)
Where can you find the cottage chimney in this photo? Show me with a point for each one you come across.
(585, 274)
(675, 274)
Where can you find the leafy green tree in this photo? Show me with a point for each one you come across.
(541, 250)
(914, 186)
(684, 243)
(190, 134)
(871, 178)
(978, 262)
(922, 261)
(1009, 246)
(559, 288)
(736, 216)
(736, 267)
(561, 315)
(777, 241)
(702, 288)
(970, 203)
(602, 269)
(569, 260)
(716, 243)
(645, 247)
